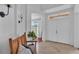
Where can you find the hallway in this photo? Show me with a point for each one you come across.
(56, 48)
(52, 22)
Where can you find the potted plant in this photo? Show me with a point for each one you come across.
(32, 35)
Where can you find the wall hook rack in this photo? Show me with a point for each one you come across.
(2, 14)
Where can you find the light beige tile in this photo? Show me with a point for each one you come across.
(56, 48)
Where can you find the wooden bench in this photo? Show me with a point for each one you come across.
(21, 40)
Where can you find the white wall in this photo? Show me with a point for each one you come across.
(76, 25)
(20, 12)
(44, 26)
(7, 28)
(64, 27)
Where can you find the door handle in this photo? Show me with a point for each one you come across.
(56, 31)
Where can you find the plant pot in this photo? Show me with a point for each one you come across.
(30, 38)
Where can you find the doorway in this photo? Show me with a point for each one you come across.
(36, 25)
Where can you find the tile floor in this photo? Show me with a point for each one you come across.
(56, 48)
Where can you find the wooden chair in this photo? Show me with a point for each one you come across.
(21, 40)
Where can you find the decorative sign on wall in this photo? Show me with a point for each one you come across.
(59, 15)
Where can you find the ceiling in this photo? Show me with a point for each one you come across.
(35, 16)
(43, 6)
(49, 6)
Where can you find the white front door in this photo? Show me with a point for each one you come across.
(59, 31)
(52, 31)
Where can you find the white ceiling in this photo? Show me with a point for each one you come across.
(35, 16)
(43, 6)
(48, 6)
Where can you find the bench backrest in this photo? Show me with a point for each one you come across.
(15, 43)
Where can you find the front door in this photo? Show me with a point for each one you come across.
(51, 31)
